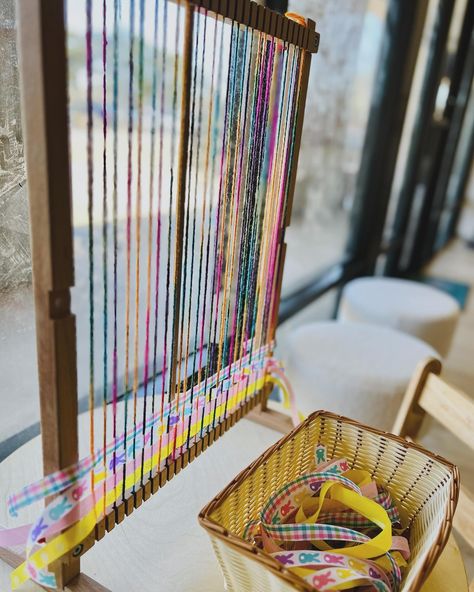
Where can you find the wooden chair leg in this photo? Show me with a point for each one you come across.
(410, 415)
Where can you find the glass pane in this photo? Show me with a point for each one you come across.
(115, 248)
(19, 391)
(436, 131)
(458, 172)
(336, 115)
(133, 262)
(410, 117)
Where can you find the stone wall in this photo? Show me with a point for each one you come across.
(15, 259)
(337, 106)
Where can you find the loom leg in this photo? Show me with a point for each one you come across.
(270, 418)
(79, 583)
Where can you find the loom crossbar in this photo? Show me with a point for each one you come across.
(258, 17)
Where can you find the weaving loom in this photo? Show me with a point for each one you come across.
(191, 164)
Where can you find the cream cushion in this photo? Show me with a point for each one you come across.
(353, 369)
(411, 307)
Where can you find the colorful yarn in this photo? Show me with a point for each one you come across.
(182, 295)
(150, 229)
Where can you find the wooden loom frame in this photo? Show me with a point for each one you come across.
(43, 65)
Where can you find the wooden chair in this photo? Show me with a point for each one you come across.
(429, 394)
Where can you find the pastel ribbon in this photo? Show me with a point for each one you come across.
(317, 508)
(60, 480)
(78, 508)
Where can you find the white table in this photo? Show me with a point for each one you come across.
(146, 551)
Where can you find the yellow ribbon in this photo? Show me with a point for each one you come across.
(374, 512)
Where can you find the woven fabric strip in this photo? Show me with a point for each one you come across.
(61, 480)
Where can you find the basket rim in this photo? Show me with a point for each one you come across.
(244, 547)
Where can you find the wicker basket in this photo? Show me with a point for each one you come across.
(424, 485)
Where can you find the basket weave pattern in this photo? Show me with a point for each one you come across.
(424, 486)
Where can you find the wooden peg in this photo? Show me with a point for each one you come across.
(239, 12)
(119, 513)
(163, 476)
(278, 24)
(289, 32)
(311, 24)
(232, 10)
(178, 465)
(253, 18)
(197, 448)
(137, 498)
(211, 437)
(215, 6)
(147, 491)
(301, 35)
(110, 521)
(306, 38)
(267, 21)
(273, 23)
(285, 28)
(129, 505)
(155, 483)
(260, 18)
(100, 530)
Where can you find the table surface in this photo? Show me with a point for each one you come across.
(449, 572)
(149, 546)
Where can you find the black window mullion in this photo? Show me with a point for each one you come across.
(401, 41)
(420, 133)
(441, 165)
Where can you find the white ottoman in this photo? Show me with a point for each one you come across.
(411, 307)
(353, 369)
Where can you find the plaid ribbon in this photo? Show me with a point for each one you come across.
(287, 498)
(313, 532)
(355, 520)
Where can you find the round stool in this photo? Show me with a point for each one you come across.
(353, 369)
(411, 307)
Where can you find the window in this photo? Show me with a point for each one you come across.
(19, 376)
(337, 109)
